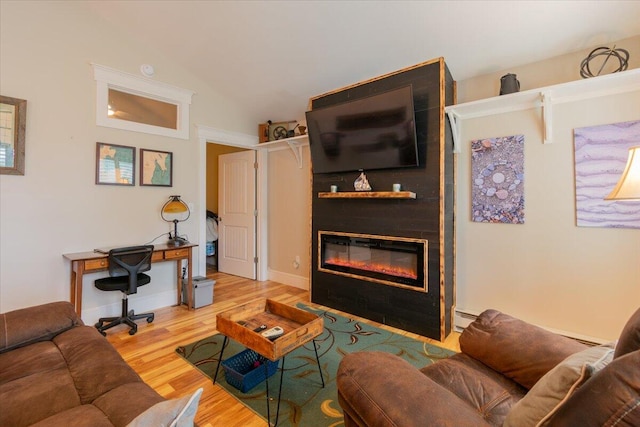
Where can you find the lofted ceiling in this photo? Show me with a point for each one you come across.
(272, 56)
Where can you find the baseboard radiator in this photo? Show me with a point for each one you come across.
(462, 318)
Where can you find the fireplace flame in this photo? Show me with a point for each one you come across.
(375, 267)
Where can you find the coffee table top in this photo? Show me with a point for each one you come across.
(299, 326)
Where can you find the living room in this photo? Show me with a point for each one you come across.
(582, 281)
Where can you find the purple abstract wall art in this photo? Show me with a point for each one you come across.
(600, 157)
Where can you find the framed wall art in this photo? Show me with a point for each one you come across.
(115, 164)
(156, 168)
(13, 119)
(497, 166)
(600, 155)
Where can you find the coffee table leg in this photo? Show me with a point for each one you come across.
(318, 360)
(266, 372)
(224, 345)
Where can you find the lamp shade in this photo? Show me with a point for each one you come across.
(175, 209)
(628, 187)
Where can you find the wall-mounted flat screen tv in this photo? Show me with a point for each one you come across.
(375, 132)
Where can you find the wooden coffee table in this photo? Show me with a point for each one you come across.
(299, 326)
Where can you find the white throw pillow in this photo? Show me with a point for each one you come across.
(171, 413)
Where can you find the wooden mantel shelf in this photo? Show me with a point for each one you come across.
(368, 195)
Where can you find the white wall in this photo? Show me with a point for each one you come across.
(56, 207)
(289, 217)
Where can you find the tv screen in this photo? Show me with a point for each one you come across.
(376, 132)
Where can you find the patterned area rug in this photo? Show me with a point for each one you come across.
(304, 401)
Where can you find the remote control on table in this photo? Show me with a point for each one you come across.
(273, 333)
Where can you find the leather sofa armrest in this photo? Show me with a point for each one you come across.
(382, 390)
(517, 349)
(25, 326)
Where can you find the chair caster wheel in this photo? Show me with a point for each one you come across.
(150, 319)
(132, 331)
(98, 325)
(103, 333)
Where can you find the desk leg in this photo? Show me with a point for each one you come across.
(179, 280)
(77, 273)
(190, 303)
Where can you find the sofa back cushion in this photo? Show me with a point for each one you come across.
(516, 349)
(630, 337)
(26, 326)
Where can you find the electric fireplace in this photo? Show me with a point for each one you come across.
(395, 261)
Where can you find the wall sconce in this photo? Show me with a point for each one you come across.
(175, 210)
(628, 187)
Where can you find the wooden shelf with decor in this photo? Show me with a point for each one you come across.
(368, 195)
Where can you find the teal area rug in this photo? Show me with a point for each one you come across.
(304, 401)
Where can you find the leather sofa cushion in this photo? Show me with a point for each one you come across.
(630, 337)
(123, 403)
(379, 389)
(83, 360)
(39, 323)
(491, 394)
(518, 350)
(79, 416)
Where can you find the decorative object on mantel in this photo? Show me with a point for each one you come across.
(396, 188)
(361, 183)
(600, 157)
(302, 130)
(622, 55)
(497, 174)
(509, 84)
(334, 188)
(628, 188)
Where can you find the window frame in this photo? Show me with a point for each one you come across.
(109, 78)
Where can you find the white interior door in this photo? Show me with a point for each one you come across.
(237, 206)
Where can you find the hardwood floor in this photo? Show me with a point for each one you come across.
(151, 352)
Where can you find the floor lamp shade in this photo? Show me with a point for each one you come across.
(628, 187)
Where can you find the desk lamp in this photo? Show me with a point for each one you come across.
(175, 210)
(628, 187)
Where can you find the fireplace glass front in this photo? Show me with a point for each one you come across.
(394, 261)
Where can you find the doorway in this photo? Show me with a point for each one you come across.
(234, 250)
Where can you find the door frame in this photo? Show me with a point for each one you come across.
(207, 135)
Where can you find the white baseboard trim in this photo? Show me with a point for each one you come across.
(288, 279)
(140, 304)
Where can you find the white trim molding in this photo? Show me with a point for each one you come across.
(109, 78)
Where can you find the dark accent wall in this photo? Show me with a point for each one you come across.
(429, 216)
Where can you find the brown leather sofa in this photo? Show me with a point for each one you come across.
(507, 370)
(54, 371)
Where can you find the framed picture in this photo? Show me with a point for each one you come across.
(156, 168)
(115, 164)
(13, 119)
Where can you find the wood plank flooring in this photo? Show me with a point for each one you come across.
(151, 352)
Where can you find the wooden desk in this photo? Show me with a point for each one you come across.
(91, 262)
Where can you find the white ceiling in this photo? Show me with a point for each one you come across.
(272, 56)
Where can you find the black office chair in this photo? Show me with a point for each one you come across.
(125, 275)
